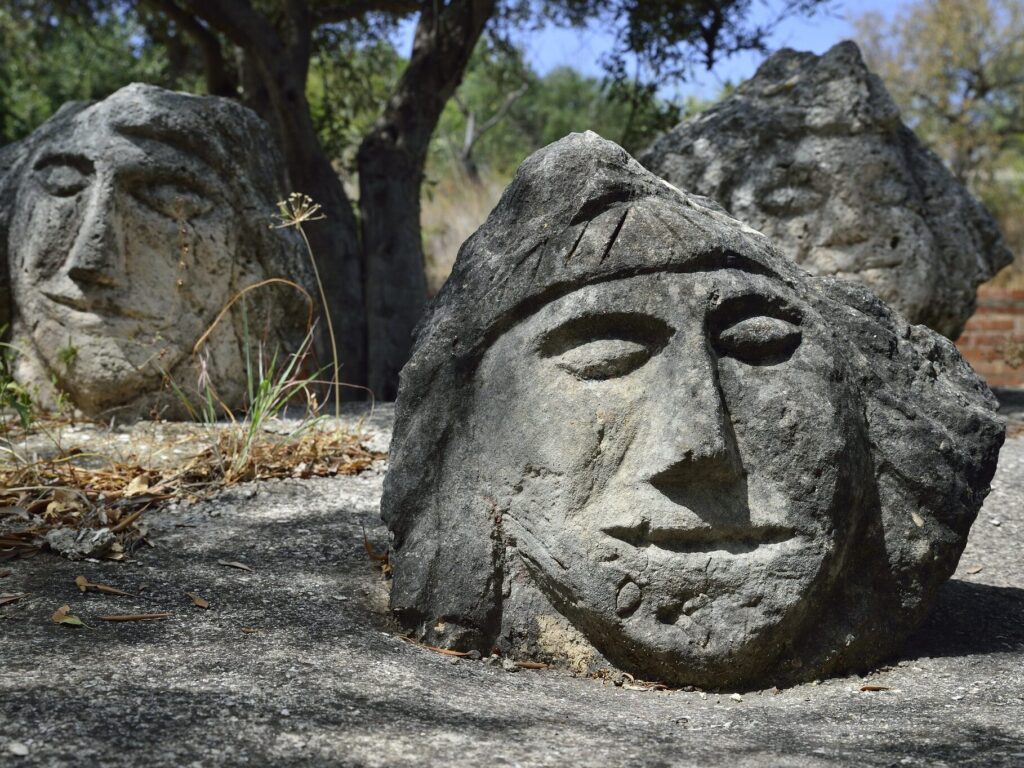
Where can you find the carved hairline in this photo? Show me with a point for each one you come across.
(707, 261)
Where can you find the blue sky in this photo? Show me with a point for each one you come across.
(583, 49)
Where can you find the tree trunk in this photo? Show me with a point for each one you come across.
(334, 240)
(391, 161)
(281, 59)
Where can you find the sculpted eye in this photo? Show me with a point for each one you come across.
(758, 340)
(604, 358)
(63, 179)
(605, 346)
(755, 328)
(790, 200)
(176, 199)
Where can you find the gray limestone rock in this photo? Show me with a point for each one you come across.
(632, 433)
(812, 152)
(126, 226)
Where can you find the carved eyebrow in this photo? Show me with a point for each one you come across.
(733, 309)
(76, 161)
(632, 326)
(174, 140)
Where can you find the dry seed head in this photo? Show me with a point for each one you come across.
(296, 210)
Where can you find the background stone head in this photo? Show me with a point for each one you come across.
(629, 424)
(812, 152)
(125, 227)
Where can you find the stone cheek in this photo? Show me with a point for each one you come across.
(640, 427)
(127, 233)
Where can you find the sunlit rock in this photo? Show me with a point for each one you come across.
(812, 152)
(633, 433)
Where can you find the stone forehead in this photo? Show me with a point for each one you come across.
(230, 139)
(819, 94)
(578, 212)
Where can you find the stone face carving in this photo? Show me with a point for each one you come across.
(812, 152)
(125, 227)
(633, 432)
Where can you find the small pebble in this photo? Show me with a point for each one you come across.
(17, 748)
(509, 666)
(736, 697)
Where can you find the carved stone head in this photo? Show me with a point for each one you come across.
(812, 152)
(125, 227)
(630, 426)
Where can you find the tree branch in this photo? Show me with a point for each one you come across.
(496, 118)
(340, 12)
(215, 67)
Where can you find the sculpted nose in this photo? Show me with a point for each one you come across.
(96, 254)
(694, 459)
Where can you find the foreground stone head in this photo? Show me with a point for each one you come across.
(125, 227)
(812, 152)
(631, 429)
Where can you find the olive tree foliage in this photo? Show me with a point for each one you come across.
(279, 57)
(38, 51)
(956, 70)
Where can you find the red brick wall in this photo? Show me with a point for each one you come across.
(993, 340)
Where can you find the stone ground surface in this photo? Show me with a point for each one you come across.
(297, 663)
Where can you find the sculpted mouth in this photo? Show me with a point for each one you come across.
(733, 540)
(96, 306)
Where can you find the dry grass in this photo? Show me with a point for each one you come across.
(453, 208)
(108, 489)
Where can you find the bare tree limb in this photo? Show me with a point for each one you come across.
(219, 81)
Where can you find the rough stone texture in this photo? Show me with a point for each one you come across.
(125, 227)
(812, 152)
(632, 432)
(323, 679)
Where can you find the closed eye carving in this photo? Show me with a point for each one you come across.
(64, 175)
(176, 198)
(606, 346)
(756, 330)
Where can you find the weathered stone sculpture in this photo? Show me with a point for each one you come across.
(125, 227)
(812, 152)
(633, 432)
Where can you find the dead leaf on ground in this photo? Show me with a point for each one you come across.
(62, 616)
(138, 486)
(234, 564)
(4, 574)
(250, 630)
(434, 648)
(198, 601)
(84, 585)
(11, 597)
(975, 569)
(136, 616)
(126, 521)
(874, 688)
(532, 665)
